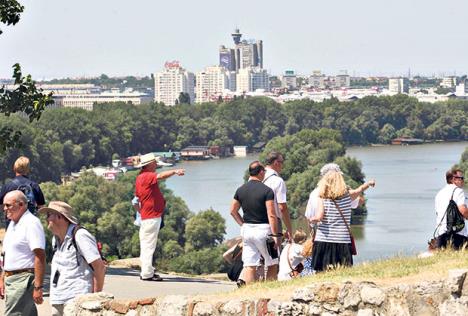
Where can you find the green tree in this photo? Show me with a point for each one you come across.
(204, 230)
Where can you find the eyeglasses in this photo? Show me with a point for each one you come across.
(461, 178)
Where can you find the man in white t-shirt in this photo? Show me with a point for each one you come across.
(77, 267)
(24, 257)
(454, 187)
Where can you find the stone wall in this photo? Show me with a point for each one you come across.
(444, 297)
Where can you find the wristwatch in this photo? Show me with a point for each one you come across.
(37, 288)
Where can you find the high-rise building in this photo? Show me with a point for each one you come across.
(289, 80)
(317, 80)
(251, 79)
(398, 85)
(449, 82)
(462, 88)
(171, 82)
(245, 54)
(212, 82)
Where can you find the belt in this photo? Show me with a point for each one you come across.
(10, 273)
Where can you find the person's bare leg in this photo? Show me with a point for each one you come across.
(249, 274)
(272, 272)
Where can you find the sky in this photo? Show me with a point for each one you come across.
(57, 38)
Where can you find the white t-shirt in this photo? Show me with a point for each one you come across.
(295, 257)
(20, 240)
(441, 202)
(76, 277)
(276, 183)
(312, 203)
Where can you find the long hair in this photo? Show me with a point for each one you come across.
(332, 186)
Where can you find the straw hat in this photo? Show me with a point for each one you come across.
(62, 208)
(146, 159)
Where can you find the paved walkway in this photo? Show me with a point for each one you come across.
(126, 284)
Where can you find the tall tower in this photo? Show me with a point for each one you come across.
(236, 36)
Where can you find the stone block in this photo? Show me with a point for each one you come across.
(326, 293)
(147, 310)
(132, 312)
(454, 307)
(371, 294)
(349, 295)
(232, 308)
(273, 306)
(118, 306)
(147, 301)
(203, 309)
(314, 309)
(365, 312)
(291, 309)
(261, 307)
(92, 305)
(454, 281)
(108, 312)
(303, 295)
(173, 305)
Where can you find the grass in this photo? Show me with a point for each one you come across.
(387, 272)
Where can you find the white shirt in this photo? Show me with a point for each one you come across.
(312, 203)
(76, 277)
(276, 183)
(441, 202)
(295, 257)
(20, 240)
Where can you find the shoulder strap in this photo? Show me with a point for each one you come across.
(453, 192)
(75, 244)
(271, 175)
(344, 219)
(289, 258)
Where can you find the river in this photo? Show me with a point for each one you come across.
(401, 216)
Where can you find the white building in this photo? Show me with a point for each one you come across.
(87, 100)
(212, 82)
(342, 81)
(289, 80)
(317, 80)
(462, 88)
(449, 82)
(171, 82)
(251, 79)
(398, 85)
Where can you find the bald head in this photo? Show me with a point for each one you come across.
(15, 205)
(17, 196)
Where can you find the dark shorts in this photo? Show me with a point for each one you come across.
(457, 241)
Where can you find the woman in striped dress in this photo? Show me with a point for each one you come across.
(332, 246)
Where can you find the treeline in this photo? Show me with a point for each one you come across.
(189, 243)
(67, 139)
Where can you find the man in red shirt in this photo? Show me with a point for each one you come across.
(152, 206)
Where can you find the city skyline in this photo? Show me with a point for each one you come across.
(55, 39)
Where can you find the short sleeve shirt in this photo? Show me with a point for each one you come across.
(276, 183)
(312, 204)
(441, 202)
(75, 276)
(20, 240)
(152, 201)
(23, 180)
(252, 197)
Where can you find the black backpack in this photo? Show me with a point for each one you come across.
(28, 191)
(455, 221)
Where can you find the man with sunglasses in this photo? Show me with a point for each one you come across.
(452, 190)
(21, 283)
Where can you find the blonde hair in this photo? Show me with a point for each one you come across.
(332, 186)
(21, 165)
(307, 248)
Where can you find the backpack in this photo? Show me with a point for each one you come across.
(74, 244)
(455, 221)
(29, 193)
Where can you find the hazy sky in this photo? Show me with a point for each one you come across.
(60, 38)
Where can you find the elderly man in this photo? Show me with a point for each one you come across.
(24, 257)
(77, 267)
(152, 205)
(258, 223)
(453, 190)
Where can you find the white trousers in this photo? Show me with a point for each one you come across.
(149, 231)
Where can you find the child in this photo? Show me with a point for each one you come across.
(292, 257)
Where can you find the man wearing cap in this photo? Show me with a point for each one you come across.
(152, 204)
(24, 257)
(312, 205)
(77, 267)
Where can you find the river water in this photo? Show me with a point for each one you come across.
(401, 216)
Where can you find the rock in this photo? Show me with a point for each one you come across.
(273, 306)
(132, 312)
(454, 307)
(365, 312)
(92, 305)
(262, 306)
(291, 309)
(146, 301)
(371, 294)
(326, 293)
(314, 309)
(454, 282)
(120, 307)
(231, 308)
(303, 295)
(349, 295)
(147, 310)
(173, 305)
(203, 309)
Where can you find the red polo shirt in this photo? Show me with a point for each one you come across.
(152, 201)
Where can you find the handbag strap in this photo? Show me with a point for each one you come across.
(344, 219)
(289, 261)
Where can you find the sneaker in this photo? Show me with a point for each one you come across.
(240, 283)
(153, 278)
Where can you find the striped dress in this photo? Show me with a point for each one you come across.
(333, 228)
